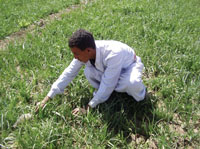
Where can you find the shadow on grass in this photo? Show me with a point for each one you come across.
(126, 116)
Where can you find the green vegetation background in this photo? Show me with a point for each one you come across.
(165, 34)
(17, 14)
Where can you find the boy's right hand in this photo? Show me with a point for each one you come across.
(41, 104)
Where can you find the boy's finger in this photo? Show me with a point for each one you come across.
(75, 111)
(38, 104)
(37, 109)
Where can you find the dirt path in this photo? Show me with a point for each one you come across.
(21, 34)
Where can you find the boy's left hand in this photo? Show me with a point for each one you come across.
(78, 111)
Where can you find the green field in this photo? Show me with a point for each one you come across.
(165, 34)
(17, 14)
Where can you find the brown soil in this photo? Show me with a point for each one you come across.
(21, 34)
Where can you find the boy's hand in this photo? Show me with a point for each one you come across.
(41, 104)
(77, 111)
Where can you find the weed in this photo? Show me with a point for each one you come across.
(165, 34)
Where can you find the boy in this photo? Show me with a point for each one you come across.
(109, 65)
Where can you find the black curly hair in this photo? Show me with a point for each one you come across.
(82, 39)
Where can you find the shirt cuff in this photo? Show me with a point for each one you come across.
(93, 103)
(51, 94)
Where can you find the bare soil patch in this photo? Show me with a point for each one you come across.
(20, 35)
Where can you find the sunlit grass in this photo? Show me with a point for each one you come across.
(165, 34)
(17, 14)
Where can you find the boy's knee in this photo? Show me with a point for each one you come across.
(137, 89)
(136, 84)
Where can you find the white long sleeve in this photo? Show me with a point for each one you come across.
(109, 79)
(65, 78)
(112, 57)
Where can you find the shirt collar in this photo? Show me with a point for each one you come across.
(98, 60)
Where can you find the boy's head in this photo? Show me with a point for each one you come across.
(82, 45)
(82, 39)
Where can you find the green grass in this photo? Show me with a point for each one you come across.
(165, 34)
(17, 14)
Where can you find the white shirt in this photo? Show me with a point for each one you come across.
(111, 58)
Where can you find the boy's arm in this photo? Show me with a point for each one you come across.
(59, 85)
(109, 79)
(65, 78)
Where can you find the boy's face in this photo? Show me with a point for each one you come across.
(82, 56)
